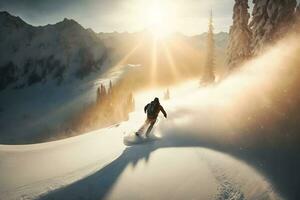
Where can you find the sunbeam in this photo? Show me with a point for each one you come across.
(170, 59)
(127, 56)
(154, 63)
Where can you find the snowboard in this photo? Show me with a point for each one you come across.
(132, 139)
(139, 136)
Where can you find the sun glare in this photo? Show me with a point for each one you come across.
(157, 20)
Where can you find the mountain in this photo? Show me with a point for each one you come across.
(198, 41)
(221, 40)
(65, 51)
(53, 53)
(186, 52)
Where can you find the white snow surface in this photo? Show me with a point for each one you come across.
(43, 109)
(97, 165)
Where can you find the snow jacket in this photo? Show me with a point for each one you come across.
(152, 109)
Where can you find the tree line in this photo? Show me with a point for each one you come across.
(112, 105)
(115, 102)
(271, 21)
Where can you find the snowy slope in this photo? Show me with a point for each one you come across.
(98, 165)
(43, 110)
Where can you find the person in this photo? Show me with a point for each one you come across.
(152, 110)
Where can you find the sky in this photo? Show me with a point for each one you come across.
(189, 17)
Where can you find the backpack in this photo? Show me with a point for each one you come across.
(151, 110)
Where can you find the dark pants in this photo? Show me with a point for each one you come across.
(148, 121)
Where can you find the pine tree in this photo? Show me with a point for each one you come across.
(98, 94)
(208, 71)
(103, 93)
(109, 96)
(103, 90)
(110, 88)
(130, 103)
(271, 21)
(239, 46)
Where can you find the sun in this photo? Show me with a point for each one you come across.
(157, 21)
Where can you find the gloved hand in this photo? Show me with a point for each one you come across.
(166, 116)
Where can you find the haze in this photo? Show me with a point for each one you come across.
(185, 16)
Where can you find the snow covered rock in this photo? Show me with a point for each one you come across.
(239, 46)
(271, 20)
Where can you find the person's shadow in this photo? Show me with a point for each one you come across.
(280, 167)
(99, 184)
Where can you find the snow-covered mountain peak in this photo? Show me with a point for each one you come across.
(57, 52)
(9, 21)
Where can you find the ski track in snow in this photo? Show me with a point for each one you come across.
(231, 185)
(227, 189)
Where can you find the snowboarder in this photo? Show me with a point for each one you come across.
(152, 109)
